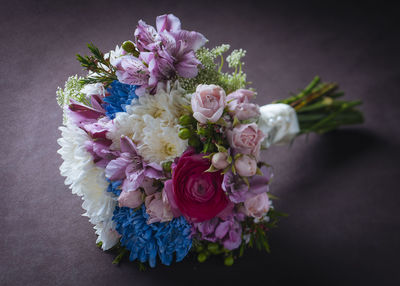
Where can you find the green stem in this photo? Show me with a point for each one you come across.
(119, 257)
(303, 93)
(222, 63)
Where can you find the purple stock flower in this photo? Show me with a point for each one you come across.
(225, 228)
(238, 191)
(131, 168)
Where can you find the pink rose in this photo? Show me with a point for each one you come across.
(246, 139)
(196, 194)
(246, 166)
(157, 208)
(257, 206)
(240, 106)
(219, 160)
(208, 103)
(130, 199)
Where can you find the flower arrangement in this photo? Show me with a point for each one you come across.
(164, 147)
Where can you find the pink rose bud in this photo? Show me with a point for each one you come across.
(246, 166)
(239, 104)
(131, 199)
(208, 103)
(257, 206)
(246, 139)
(220, 160)
(157, 209)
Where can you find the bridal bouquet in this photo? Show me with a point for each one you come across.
(164, 146)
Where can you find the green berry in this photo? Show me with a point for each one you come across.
(186, 120)
(229, 261)
(201, 257)
(213, 248)
(184, 133)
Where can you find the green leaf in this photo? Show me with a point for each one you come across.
(211, 169)
(221, 149)
(235, 121)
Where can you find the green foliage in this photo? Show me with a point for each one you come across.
(257, 231)
(72, 90)
(211, 72)
(99, 67)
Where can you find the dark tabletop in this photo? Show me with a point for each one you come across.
(340, 189)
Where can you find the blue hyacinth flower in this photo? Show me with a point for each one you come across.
(114, 187)
(146, 242)
(120, 96)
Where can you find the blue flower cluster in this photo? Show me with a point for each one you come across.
(114, 187)
(121, 95)
(145, 241)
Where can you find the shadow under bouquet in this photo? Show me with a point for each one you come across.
(164, 147)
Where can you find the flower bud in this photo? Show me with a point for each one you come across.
(219, 160)
(184, 133)
(129, 47)
(246, 166)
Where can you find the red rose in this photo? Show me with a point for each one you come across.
(196, 194)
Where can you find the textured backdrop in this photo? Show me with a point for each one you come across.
(341, 189)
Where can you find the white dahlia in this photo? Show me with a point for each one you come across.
(88, 181)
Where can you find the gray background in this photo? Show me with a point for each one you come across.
(340, 189)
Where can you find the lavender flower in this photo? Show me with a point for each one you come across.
(164, 52)
(131, 168)
(238, 191)
(225, 228)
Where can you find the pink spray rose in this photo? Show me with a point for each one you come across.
(157, 208)
(257, 206)
(130, 199)
(196, 194)
(246, 139)
(208, 103)
(240, 106)
(246, 166)
(220, 160)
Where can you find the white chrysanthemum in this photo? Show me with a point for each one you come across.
(88, 181)
(160, 143)
(166, 104)
(152, 123)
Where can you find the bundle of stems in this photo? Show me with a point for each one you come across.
(319, 110)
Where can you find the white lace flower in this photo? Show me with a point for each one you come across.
(88, 181)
